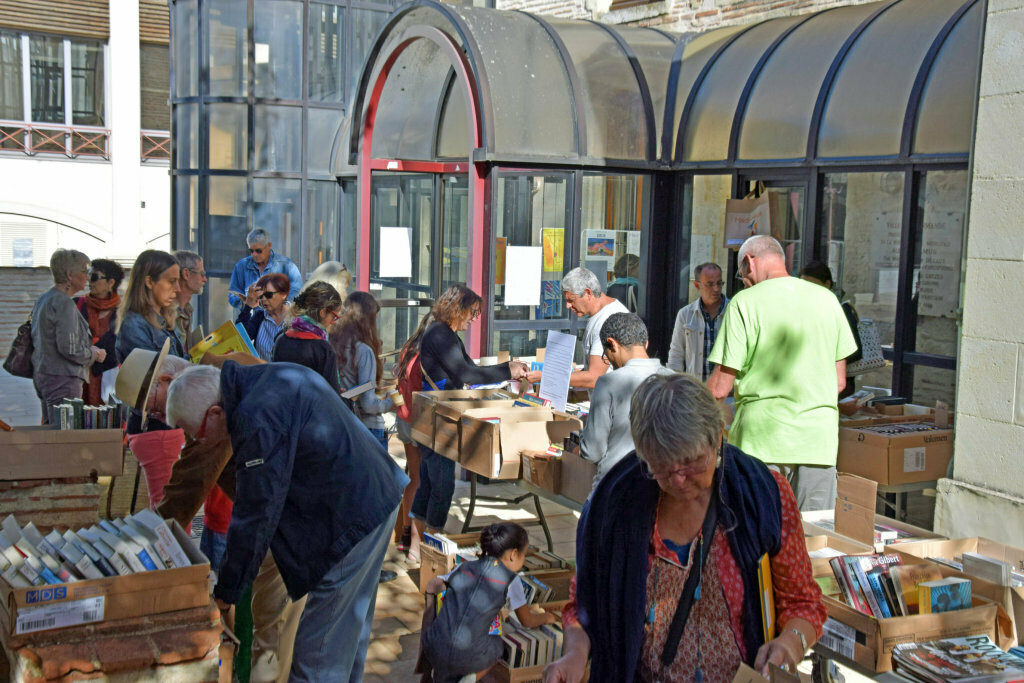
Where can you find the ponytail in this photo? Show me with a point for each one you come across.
(497, 539)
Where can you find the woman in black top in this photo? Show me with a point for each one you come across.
(305, 341)
(446, 363)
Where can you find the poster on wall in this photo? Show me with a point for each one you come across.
(499, 260)
(553, 240)
(21, 252)
(633, 242)
(939, 280)
(395, 252)
(885, 239)
(599, 253)
(550, 297)
(523, 275)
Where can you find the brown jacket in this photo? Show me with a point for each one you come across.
(201, 465)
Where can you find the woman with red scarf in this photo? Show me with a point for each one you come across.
(99, 308)
(305, 342)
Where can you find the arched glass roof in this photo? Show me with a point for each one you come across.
(879, 81)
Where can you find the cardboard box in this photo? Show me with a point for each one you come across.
(577, 477)
(543, 472)
(115, 597)
(434, 563)
(822, 522)
(894, 458)
(42, 452)
(530, 674)
(447, 422)
(820, 565)
(423, 409)
(558, 580)
(1011, 598)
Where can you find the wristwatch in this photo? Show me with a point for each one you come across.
(803, 640)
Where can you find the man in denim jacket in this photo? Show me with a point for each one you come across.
(260, 261)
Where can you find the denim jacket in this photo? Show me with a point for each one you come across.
(246, 272)
(138, 333)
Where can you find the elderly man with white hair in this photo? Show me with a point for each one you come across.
(311, 484)
(262, 259)
(783, 344)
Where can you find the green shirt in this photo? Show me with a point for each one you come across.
(783, 337)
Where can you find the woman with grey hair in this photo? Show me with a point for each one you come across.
(670, 549)
(62, 343)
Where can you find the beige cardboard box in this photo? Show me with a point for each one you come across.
(448, 422)
(423, 409)
(820, 565)
(41, 608)
(42, 452)
(434, 563)
(894, 458)
(818, 522)
(577, 477)
(543, 472)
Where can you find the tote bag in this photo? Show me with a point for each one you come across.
(871, 349)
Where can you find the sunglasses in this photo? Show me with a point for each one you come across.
(268, 295)
(255, 251)
(97, 276)
(687, 472)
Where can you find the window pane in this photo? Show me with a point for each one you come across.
(87, 84)
(227, 223)
(47, 78)
(397, 323)
(613, 215)
(185, 34)
(937, 263)
(186, 210)
(707, 230)
(521, 342)
(349, 201)
(228, 135)
(278, 138)
(322, 223)
(277, 31)
(933, 384)
(365, 25)
(534, 211)
(154, 78)
(454, 230)
(323, 127)
(12, 106)
(217, 297)
(326, 62)
(186, 135)
(228, 62)
(787, 219)
(406, 201)
(276, 208)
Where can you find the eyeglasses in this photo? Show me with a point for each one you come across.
(687, 472)
(253, 250)
(335, 317)
(200, 273)
(268, 295)
(97, 276)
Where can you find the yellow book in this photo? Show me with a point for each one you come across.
(764, 586)
(227, 338)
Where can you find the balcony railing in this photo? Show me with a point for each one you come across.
(156, 145)
(45, 138)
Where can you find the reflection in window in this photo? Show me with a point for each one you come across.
(613, 216)
(227, 224)
(228, 63)
(277, 56)
(403, 201)
(47, 78)
(365, 26)
(325, 56)
(228, 135)
(185, 35)
(154, 84)
(454, 230)
(707, 229)
(519, 343)
(322, 127)
(275, 208)
(787, 220)
(12, 106)
(933, 384)
(186, 135)
(278, 132)
(87, 84)
(321, 230)
(186, 209)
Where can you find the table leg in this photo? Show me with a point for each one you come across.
(472, 502)
(543, 523)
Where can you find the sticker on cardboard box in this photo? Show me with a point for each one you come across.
(60, 615)
(914, 459)
(839, 637)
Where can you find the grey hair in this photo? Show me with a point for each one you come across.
(63, 262)
(580, 279)
(760, 245)
(710, 265)
(190, 395)
(626, 328)
(257, 236)
(173, 366)
(187, 259)
(673, 419)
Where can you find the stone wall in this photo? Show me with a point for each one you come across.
(986, 495)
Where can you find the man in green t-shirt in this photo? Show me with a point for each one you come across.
(783, 344)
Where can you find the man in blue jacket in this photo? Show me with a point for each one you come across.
(314, 486)
(260, 261)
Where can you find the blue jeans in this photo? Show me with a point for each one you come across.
(437, 486)
(382, 436)
(334, 629)
(212, 545)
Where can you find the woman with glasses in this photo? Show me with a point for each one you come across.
(446, 365)
(670, 550)
(264, 312)
(304, 342)
(63, 349)
(99, 308)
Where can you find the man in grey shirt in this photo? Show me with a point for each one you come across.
(606, 439)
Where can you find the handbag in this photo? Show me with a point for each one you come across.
(19, 358)
(871, 349)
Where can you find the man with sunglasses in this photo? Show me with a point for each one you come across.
(698, 323)
(191, 283)
(260, 261)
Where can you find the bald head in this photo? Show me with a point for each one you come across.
(761, 258)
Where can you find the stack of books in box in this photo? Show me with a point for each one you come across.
(529, 650)
(883, 587)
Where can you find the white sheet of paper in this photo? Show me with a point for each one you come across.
(522, 275)
(395, 252)
(558, 355)
(633, 242)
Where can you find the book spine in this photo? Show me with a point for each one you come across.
(146, 560)
(837, 570)
(856, 596)
(879, 595)
(924, 600)
(889, 587)
(869, 593)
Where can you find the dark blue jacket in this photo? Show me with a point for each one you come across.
(311, 481)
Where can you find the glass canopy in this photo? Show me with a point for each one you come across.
(869, 82)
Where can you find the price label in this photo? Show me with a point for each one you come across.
(839, 637)
(60, 615)
(914, 459)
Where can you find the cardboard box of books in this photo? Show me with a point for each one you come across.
(823, 548)
(448, 422)
(439, 554)
(529, 650)
(423, 408)
(887, 531)
(116, 569)
(980, 558)
(577, 477)
(542, 470)
(42, 452)
(901, 451)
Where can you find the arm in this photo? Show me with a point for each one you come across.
(192, 478)
(721, 381)
(366, 370)
(106, 342)
(295, 278)
(575, 649)
(69, 339)
(251, 319)
(442, 346)
(841, 374)
(594, 439)
(676, 350)
(237, 284)
(532, 619)
(586, 379)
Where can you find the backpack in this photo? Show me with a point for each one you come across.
(412, 382)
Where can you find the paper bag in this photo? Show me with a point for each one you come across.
(747, 217)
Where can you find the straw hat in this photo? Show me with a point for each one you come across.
(135, 378)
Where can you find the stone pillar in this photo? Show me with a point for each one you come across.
(985, 497)
(124, 121)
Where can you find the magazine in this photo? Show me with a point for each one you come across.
(973, 658)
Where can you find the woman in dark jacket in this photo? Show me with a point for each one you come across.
(305, 341)
(99, 308)
(446, 364)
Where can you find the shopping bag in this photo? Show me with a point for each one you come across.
(871, 349)
(747, 217)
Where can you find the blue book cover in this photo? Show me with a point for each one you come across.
(945, 595)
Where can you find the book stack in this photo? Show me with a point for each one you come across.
(973, 658)
(531, 647)
(539, 560)
(535, 590)
(138, 543)
(72, 413)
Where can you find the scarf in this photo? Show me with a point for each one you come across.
(92, 307)
(304, 327)
(613, 545)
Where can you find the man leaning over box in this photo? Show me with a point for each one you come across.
(311, 484)
(783, 343)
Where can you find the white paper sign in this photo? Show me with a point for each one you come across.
(395, 252)
(73, 613)
(633, 242)
(554, 381)
(522, 275)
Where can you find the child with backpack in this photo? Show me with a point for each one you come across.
(463, 641)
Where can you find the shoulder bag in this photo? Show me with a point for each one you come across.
(871, 349)
(19, 358)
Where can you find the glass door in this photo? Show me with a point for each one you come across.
(454, 230)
